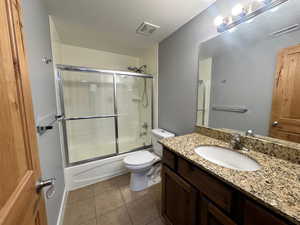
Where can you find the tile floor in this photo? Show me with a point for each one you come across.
(112, 202)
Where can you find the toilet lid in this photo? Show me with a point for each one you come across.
(139, 158)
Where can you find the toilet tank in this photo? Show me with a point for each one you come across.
(158, 134)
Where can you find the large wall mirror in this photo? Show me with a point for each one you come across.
(249, 76)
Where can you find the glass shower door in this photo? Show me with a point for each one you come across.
(134, 104)
(89, 125)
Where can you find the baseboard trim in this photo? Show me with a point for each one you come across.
(60, 219)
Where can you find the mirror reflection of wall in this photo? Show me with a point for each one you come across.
(204, 87)
(243, 65)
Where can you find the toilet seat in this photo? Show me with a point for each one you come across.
(141, 158)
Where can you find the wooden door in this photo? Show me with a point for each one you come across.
(178, 199)
(211, 215)
(19, 164)
(285, 117)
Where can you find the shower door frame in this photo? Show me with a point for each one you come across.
(60, 68)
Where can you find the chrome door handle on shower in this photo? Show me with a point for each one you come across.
(91, 117)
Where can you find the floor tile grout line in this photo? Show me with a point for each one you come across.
(126, 206)
(96, 216)
(127, 210)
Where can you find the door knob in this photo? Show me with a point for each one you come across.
(275, 123)
(44, 183)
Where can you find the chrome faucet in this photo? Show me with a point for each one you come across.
(235, 142)
(249, 133)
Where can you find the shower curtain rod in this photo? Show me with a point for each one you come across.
(95, 70)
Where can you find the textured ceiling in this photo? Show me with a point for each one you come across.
(110, 25)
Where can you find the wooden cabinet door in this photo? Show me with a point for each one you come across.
(178, 199)
(20, 204)
(255, 215)
(285, 117)
(211, 215)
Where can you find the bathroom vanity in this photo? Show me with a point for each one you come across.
(198, 192)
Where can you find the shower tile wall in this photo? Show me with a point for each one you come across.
(87, 94)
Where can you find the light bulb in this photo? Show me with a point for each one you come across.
(219, 20)
(237, 10)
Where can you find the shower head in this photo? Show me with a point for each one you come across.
(141, 69)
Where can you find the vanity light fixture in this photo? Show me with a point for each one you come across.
(219, 20)
(239, 10)
(245, 13)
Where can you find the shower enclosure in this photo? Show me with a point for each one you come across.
(105, 113)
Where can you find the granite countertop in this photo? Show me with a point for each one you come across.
(276, 184)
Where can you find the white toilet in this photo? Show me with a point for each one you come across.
(140, 163)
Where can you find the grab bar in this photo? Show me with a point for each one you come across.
(91, 117)
(230, 109)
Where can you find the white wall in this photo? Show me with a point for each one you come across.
(150, 58)
(77, 56)
(38, 45)
(55, 43)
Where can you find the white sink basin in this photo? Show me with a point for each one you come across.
(227, 158)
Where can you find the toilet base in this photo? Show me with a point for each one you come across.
(139, 181)
(142, 180)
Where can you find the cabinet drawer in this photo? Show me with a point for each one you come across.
(256, 215)
(169, 158)
(212, 188)
(211, 215)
